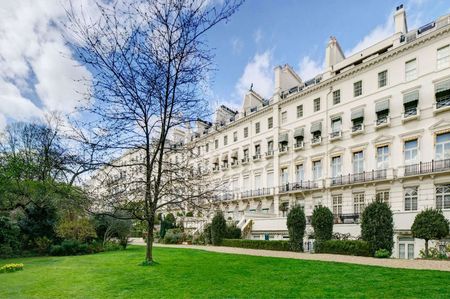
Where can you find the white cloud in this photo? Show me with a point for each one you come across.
(259, 72)
(237, 45)
(36, 65)
(309, 68)
(258, 35)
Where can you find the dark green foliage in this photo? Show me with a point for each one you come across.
(322, 221)
(190, 214)
(296, 223)
(116, 226)
(232, 232)
(430, 224)
(347, 247)
(174, 236)
(9, 237)
(257, 244)
(218, 228)
(38, 222)
(207, 234)
(377, 226)
(382, 254)
(167, 222)
(74, 247)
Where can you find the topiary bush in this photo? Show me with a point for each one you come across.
(322, 221)
(347, 247)
(218, 228)
(382, 253)
(377, 227)
(257, 244)
(430, 224)
(296, 223)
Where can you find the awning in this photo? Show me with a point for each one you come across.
(357, 114)
(234, 154)
(254, 205)
(299, 132)
(382, 106)
(411, 97)
(266, 204)
(242, 206)
(283, 137)
(442, 89)
(316, 127)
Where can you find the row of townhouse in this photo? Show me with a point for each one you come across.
(375, 125)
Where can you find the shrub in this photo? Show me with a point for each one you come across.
(43, 244)
(218, 228)
(190, 214)
(112, 246)
(322, 221)
(232, 232)
(382, 253)
(174, 236)
(430, 224)
(168, 222)
(257, 244)
(9, 237)
(11, 268)
(207, 234)
(377, 226)
(434, 254)
(38, 221)
(296, 224)
(75, 228)
(347, 247)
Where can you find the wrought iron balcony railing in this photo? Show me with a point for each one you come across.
(303, 185)
(359, 177)
(427, 167)
(257, 192)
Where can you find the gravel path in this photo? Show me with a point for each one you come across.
(391, 263)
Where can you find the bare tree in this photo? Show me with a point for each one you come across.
(148, 59)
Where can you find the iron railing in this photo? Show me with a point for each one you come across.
(382, 119)
(427, 167)
(257, 192)
(303, 185)
(443, 102)
(346, 218)
(410, 112)
(357, 127)
(359, 177)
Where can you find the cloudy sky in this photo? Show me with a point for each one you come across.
(37, 72)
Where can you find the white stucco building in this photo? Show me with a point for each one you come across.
(372, 125)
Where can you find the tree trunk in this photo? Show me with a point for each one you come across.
(149, 252)
(426, 248)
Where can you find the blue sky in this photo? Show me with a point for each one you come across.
(36, 76)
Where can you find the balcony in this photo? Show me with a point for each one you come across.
(357, 129)
(303, 185)
(335, 135)
(410, 114)
(346, 218)
(215, 168)
(234, 163)
(299, 145)
(245, 160)
(362, 177)
(225, 166)
(269, 154)
(427, 167)
(316, 140)
(442, 105)
(382, 121)
(225, 196)
(257, 192)
(257, 157)
(283, 150)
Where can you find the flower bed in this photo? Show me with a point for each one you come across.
(11, 268)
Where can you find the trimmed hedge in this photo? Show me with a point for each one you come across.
(346, 247)
(257, 244)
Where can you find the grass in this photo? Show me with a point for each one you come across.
(194, 273)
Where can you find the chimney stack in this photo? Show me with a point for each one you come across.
(400, 20)
(333, 53)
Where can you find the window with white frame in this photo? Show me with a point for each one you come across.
(336, 124)
(235, 136)
(225, 140)
(317, 169)
(246, 183)
(299, 111)
(245, 132)
(443, 197)
(382, 196)
(411, 70)
(382, 79)
(270, 146)
(270, 179)
(300, 172)
(336, 97)
(270, 123)
(337, 204)
(336, 166)
(358, 202)
(257, 181)
(358, 162)
(383, 157)
(357, 88)
(411, 150)
(207, 147)
(316, 104)
(442, 147)
(216, 144)
(257, 127)
(411, 196)
(283, 117)
(284, 176)
(443, 57)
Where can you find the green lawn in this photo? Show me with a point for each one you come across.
(194, 273)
